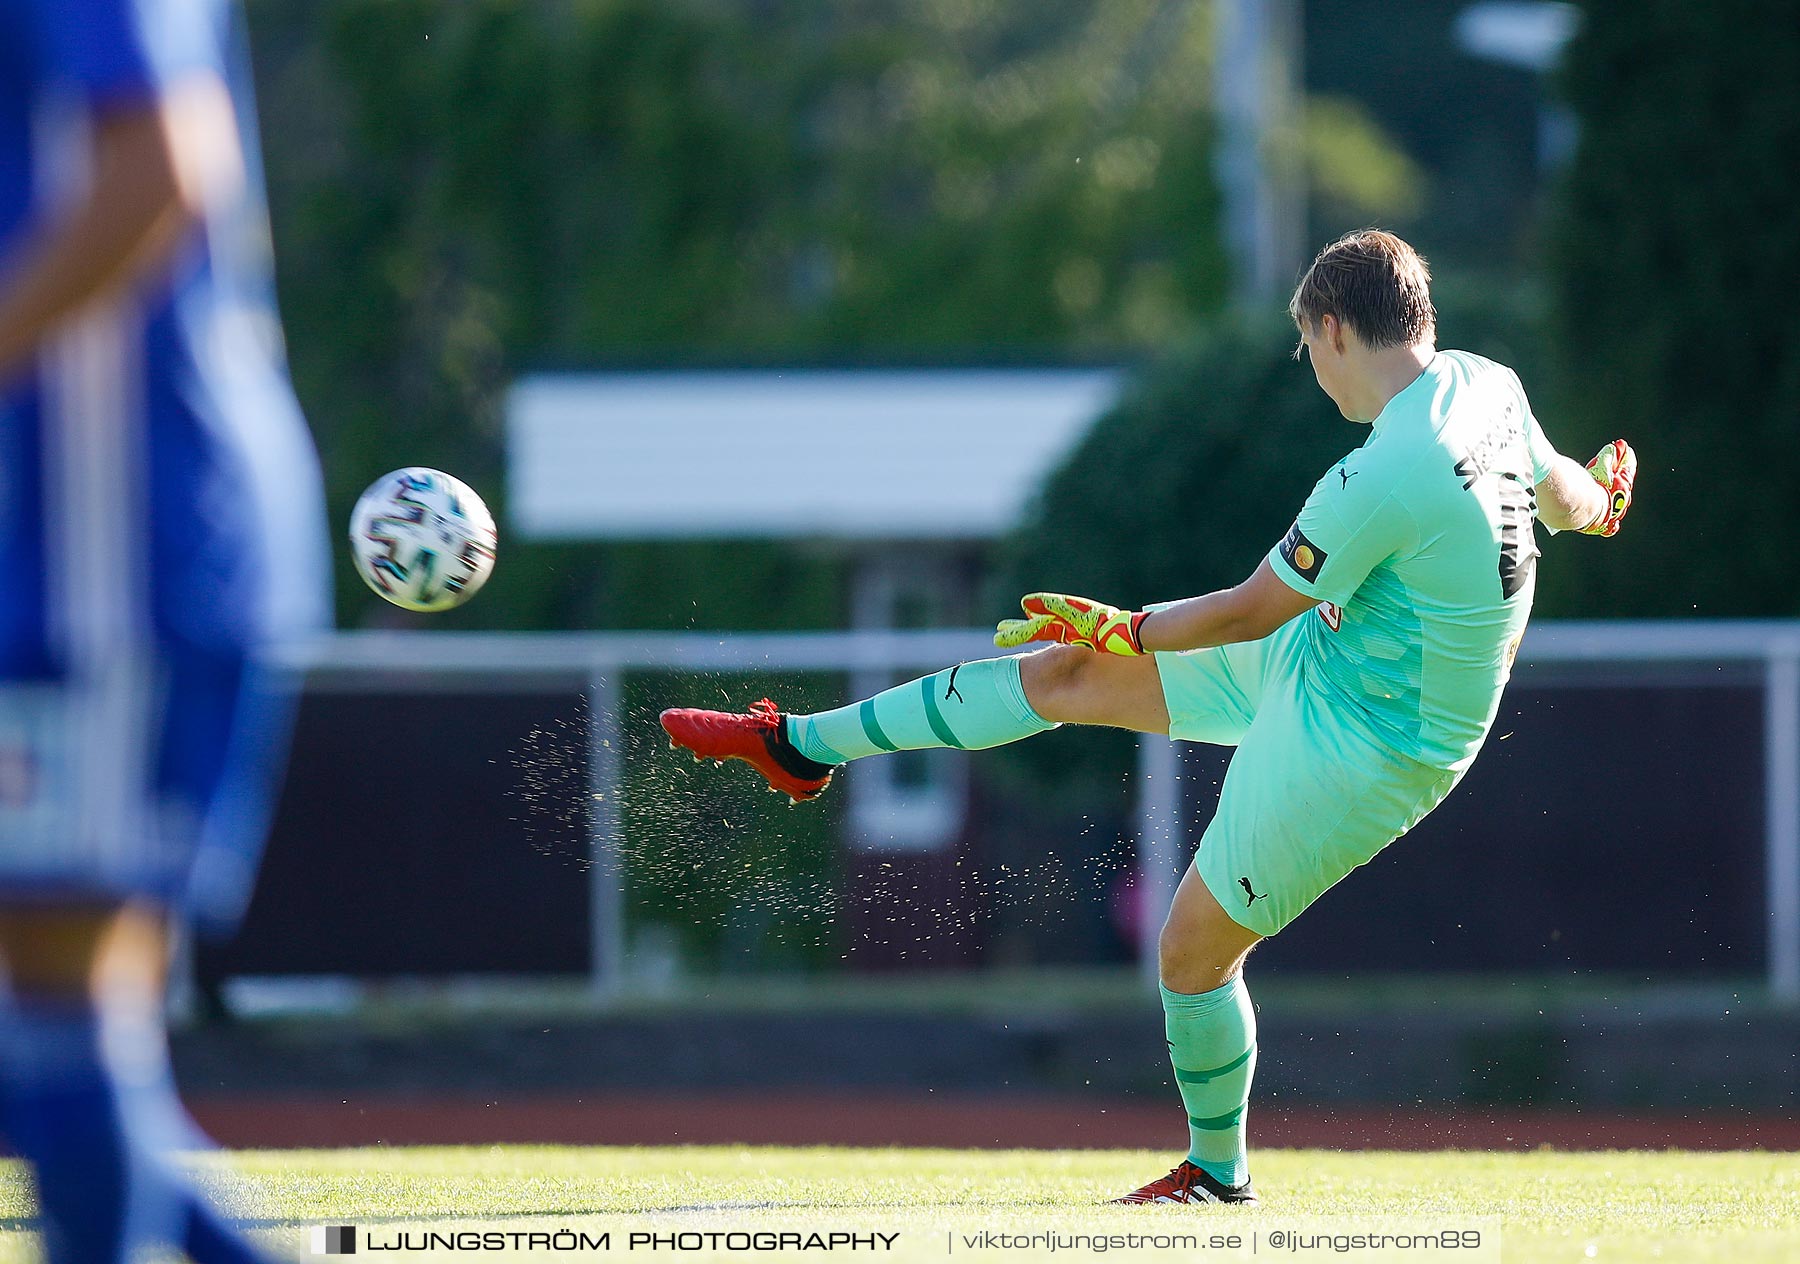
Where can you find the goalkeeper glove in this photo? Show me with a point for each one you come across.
(1069, 620)
(1614, 467)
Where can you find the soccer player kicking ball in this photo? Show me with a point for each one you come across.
(1357, 670)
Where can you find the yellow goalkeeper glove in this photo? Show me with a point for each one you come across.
(1614, 467)
(1065, 620)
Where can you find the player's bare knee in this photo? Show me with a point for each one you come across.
(1193, 957)
(1179, 964)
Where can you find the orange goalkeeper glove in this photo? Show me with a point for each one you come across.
(1614, 467)
(1066, 620)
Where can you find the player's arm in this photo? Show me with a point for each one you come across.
(155, 164)
(1591, 499)
(1347, 527)
(1569, 499)
(1247, 612)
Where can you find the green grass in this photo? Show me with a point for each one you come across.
(1742, 1208)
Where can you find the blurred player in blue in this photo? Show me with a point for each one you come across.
(160, 528)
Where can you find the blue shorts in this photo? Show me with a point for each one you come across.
(150, 780)
(1310, 794)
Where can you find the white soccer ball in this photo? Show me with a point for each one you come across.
(422, 539)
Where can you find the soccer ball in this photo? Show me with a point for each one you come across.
(422, 539)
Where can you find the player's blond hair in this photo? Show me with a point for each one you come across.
(1373, 282)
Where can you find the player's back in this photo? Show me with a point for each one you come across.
(1443, 492)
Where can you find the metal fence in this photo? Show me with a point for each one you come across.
(1765, 655)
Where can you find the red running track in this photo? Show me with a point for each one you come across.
(934, 1119)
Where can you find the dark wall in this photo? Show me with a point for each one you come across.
(1611, 826)
(401, 844)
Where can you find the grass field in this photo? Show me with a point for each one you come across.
(1743, 1208)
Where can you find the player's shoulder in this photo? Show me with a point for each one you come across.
(1453, 395)
(1478, 372)
(1362, 485)
(1469, 392)
(1469, 361)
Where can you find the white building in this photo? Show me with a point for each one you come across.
(915, 471)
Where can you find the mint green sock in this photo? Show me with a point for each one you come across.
(1212, 1042)
(971, 706)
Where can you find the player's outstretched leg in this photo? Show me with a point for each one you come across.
(971, 706)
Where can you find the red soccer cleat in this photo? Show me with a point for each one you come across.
(1190, 1184)
(757, 737)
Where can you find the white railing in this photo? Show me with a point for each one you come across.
(599, 659)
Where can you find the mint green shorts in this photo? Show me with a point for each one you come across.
(1309, 795)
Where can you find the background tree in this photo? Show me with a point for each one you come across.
(1676, 260)
(462, 190)
(465, 189)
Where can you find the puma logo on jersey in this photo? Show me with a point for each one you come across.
(1251, 892)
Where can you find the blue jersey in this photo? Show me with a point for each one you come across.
(161, 520)
(157, 484)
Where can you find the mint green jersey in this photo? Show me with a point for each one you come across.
(1420, 546)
